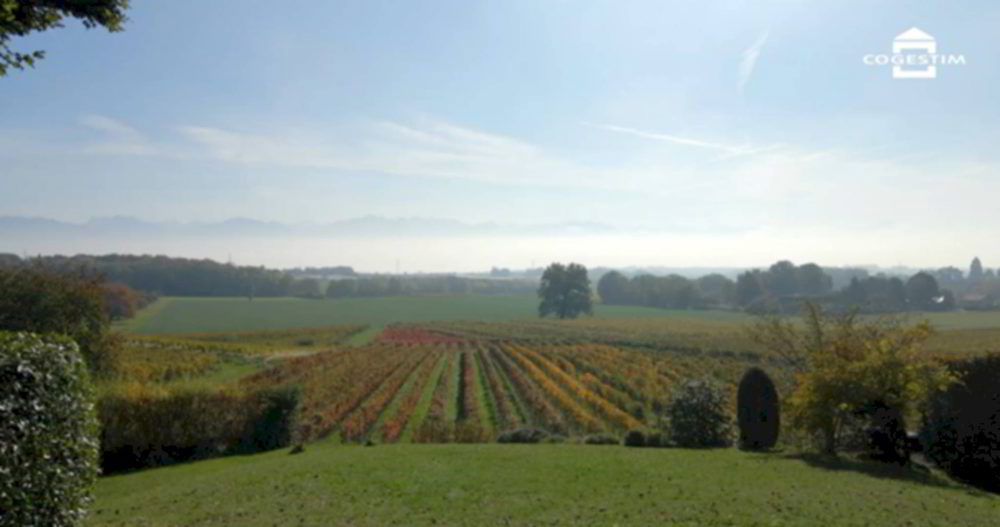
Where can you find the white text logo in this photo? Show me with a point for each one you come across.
(914, 56)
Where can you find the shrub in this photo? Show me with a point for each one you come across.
(757, 410)
(523, 435)
(885, 434)
(698, 417)
(848, 365)
(600, 439)
(635, 438)
(961, 431)
(48, 431)
(143, 426)
(655, 439)
(553, 439)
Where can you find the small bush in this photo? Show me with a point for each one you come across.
(48, 431)
(758, 413)
(655, 439)
(961, 431)
(523, 435)
(635, 438)
(600, 439)
(698, 417)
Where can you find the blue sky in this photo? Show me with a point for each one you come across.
(719, 124)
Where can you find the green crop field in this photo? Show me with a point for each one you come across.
(175, 315)
(533, 485)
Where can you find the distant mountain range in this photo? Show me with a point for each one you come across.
(368, 226)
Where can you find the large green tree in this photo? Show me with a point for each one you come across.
(19, 18)
(565, 291)
(922, 292)
(613, 288)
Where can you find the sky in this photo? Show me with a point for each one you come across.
(708, 133)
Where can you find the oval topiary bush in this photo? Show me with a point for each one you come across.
(48, 431)
(699, 417)
(757, 411)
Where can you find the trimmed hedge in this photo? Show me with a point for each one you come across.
(757, 411)
(48, 431)
(961, 431)
(143, 426)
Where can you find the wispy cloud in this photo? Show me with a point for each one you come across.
(117, 138)
(749, 61)
(741, 184)
(729, 150)
(427, 148)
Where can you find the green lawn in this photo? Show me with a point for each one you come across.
(533, 484)
(174, 315)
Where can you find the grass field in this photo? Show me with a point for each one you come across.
(173, 315)
(533, 485)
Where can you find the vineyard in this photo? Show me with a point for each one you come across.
(424, 384)
(470, 381)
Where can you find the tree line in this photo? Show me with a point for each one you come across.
(784, 286)
(415, 285)
(167, 276)
(135, 279)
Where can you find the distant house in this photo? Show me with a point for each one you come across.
(978, 301)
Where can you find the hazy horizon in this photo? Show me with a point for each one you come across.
(387, 245)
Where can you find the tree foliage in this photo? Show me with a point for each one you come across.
(36, 299)
(923, 293)
(782, 280)
(613, 288)
(163, 275)
(668, 292)
(565, 291)
(48, 432)
(19, 18)
(852, 369)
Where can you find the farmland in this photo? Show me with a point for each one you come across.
(174, 315)
(432, 396)
(422, 384)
